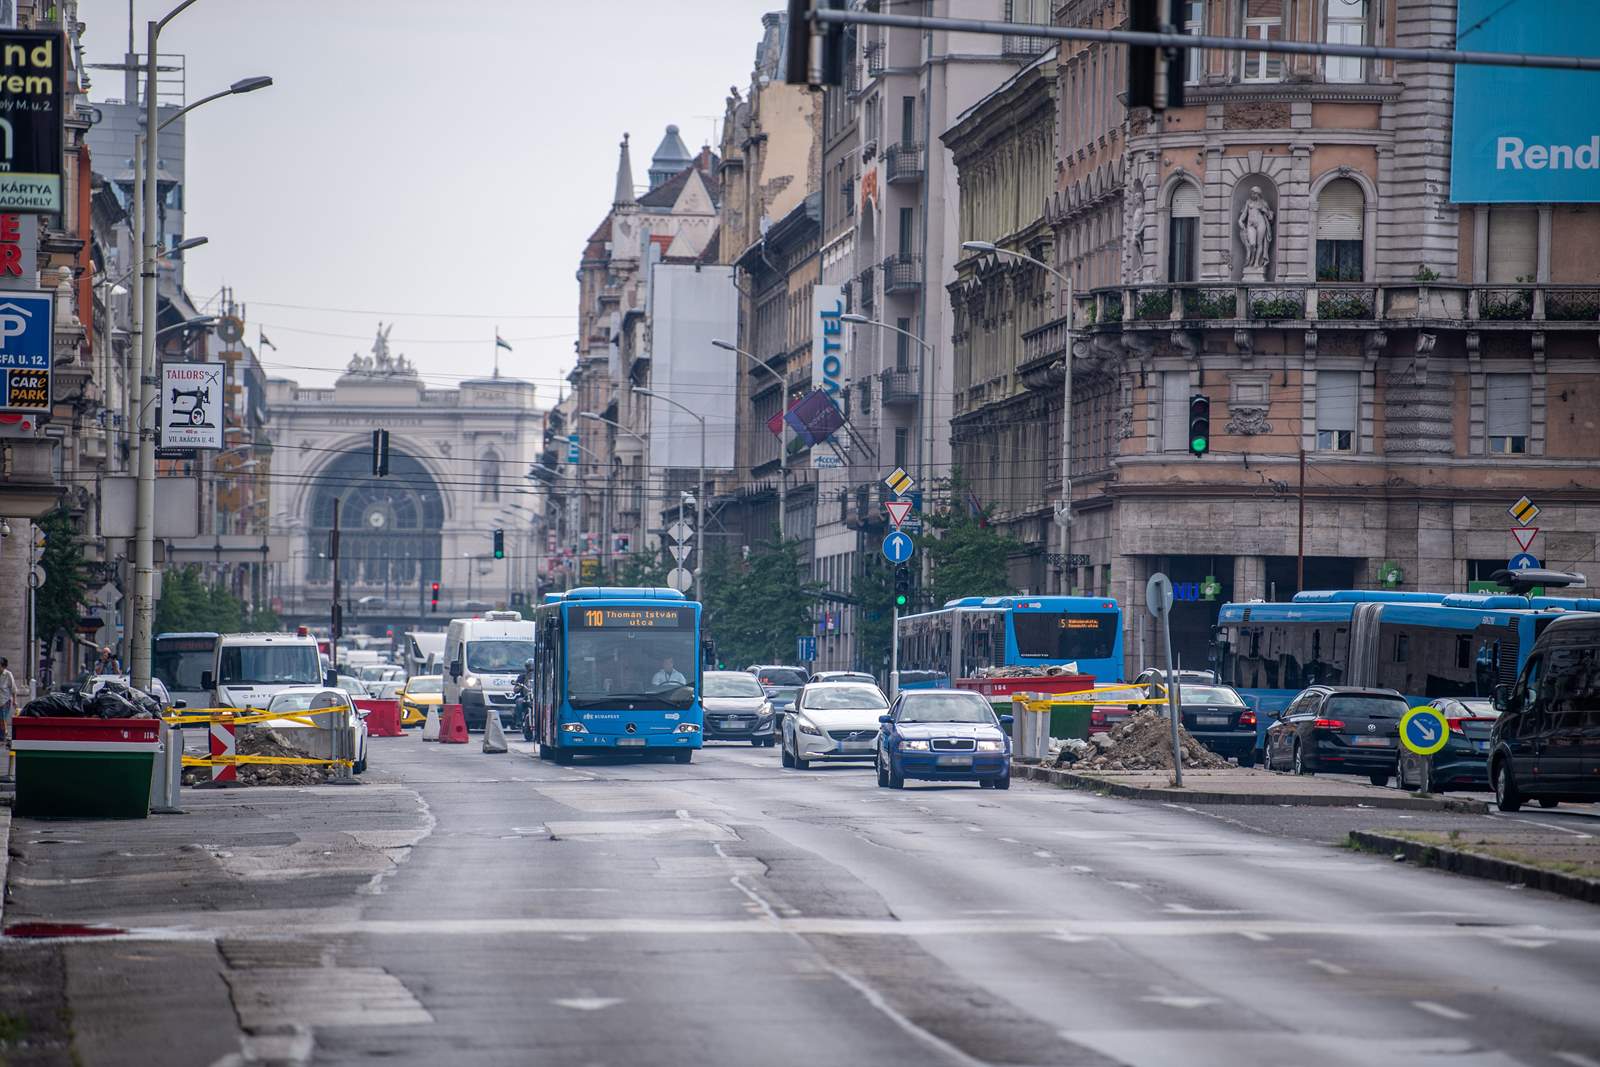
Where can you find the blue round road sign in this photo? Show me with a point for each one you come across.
(897, 547)
(1424, 730)
(1522, 561)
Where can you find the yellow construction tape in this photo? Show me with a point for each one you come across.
(1043, 702)
(229, 761)
(245, 716)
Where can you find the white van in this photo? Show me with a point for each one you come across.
(250, 668)
(482, 657)
(423, 652)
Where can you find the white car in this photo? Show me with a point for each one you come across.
(314, 739)
(833, 721)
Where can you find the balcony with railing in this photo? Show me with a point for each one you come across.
(900, 387)
(903, 162)
(902, 273)
(866, 289)
(874, 54)
(1021, 45)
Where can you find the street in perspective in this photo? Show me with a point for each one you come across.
(1058, 533)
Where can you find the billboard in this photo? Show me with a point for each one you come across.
(689, 306)
(31, 115)
(25, 341)
(1526, 135)
(828, 357)
(191, 411)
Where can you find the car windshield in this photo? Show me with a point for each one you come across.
(732, 684)
(502, 656)
(1209, 694)
(946, 707)
(1478, 709)
(844, 697)
(425, 685)
(284, 664)
(303, 701)
(1371, 707)
(781, 676)
(353, 686)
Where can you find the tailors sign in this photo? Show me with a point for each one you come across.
(191, 405)
(31, 121)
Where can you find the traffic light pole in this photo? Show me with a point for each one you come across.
(894, 654)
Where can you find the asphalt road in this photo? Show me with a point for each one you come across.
(471, 909)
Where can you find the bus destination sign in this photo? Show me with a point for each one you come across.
(631, 618)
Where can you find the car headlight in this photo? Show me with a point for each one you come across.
(991, 746)
(807, 727)
(765, 711)
(688, 728)
(915, 746)
(574, 728)
(473, 682)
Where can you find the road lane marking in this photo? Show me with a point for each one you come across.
(1254, 935)
(927, 1037)
(1329, 968)
(1043, 854)
(1185, 909)
(587, 1003)
(1129, 885)
(1441, 1010)
(1185, 1003)
(1523, 942)
(1577, 1059)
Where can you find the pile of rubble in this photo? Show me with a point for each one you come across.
(1018, 671)
(261, 741)
(1143, 742)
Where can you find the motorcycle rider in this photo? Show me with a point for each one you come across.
(522, 690)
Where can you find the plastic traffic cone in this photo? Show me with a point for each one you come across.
(430, 727)
(494, 736)
(453, 730)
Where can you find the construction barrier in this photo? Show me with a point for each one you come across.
(224, 744)
(1064, 715)
(383, 717)
(224, 759)
(69, 767)
(430, 725)
(453, 726)
(494, 735)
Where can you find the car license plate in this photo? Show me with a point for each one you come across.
(628, 742)
(1481, 746)
(955, 761)
(1212, 720)
(1370, 742)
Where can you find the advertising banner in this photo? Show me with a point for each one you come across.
(1526, 135)
(192, 397)
(828, 359)
(26, 329)
(31, 114)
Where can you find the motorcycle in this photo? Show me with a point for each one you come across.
(522, 697)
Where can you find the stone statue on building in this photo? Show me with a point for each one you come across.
(380, 362)
(1255, 235)
(1136, 227)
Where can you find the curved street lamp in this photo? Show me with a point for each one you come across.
(783, 426)
(702, 506)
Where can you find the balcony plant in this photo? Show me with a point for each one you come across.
(1281, 306)
(1343, 305)
(1155, 305)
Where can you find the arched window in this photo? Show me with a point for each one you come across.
(489, 476)
(1341, 209)
(1183, 233)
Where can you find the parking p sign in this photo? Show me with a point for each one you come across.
(26, 328)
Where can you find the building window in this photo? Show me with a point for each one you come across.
(902, 345)
(1337, 395)
(1347, 24)
(1183, 231)
(908, 230)
(902, 439)
(1341, 208)
(1175, 411)
(1194, 24)
(908, 120)
(1508, 415)
(1263, 21)
(1513, 244)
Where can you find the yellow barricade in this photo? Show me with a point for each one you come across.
(237, 760)
(244, 716)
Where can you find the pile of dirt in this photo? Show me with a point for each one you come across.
(262, 741)
(1141, 743)
(1019, 671)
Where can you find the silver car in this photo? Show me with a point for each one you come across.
(833, 721)
(736, 708)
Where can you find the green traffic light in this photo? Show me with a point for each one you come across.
(900, 600)
(1198, 444)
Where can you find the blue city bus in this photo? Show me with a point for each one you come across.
(1423, 645)
(973, 633)
(617, 671)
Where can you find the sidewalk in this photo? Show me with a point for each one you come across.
(1241, 785)
(1559, 862)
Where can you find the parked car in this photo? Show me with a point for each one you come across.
(385, 690)
(782, 698)
(1114, 706)
(1338, 729)
(844, 676)
(833, 721)
(1545, 746)
(1218, 717)
(776, 674)
(736, 708)
(314, 739)
(1154, 676)
(943, 735)
(1463, 763)
(421, 692)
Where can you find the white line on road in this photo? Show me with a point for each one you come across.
(1577, 1059)
(1329, 968)
(1186, 1003)
(1523, 942)
(1254, 935)
(1442, 1011)
(1043, 854)
(587, 1003)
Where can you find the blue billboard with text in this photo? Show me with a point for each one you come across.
(1525, 135)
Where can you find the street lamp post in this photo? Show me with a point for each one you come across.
(701, 505)
(1064, 511)
(644, 468)
(145, 503)
(605, 511)
(783, 429)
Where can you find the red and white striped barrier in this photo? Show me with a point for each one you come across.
(224, 743)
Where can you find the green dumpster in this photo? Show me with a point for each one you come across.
(85, 768)
(1069, 720)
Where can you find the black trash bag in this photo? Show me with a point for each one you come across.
(61, 703)
(116, 703)
(147, 703)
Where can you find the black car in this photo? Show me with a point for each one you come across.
(1218, 718)
(1463, 762)
(1545, 745)
(1338, 729)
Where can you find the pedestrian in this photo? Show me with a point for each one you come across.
(108, 662)
(8, 697)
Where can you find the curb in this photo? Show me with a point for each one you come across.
(1473, 865)
(5, 855)
(1390, 799)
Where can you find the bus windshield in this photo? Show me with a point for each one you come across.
(180, 661)
(613, 668)
(1065, 635)
(268, 665)
(503, 656)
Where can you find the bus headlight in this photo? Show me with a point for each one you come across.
(574, 728)
(915, 746)
(688, 728)
(991, 746)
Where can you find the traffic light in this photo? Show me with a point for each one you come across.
(435, 596)
(380, 453)
(902, 587)
(814, 54)
(1156, 75)
(499, 544)
(1199, 424)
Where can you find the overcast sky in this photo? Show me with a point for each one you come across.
(432, 159)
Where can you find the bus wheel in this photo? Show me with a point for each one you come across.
(683, 755)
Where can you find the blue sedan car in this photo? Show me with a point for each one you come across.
(943, 735)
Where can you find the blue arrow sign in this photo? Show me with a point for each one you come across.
(1424, 730)
(897, 547)
(1522, 561)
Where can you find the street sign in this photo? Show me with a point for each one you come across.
(899, 482)
(679, 552)
(1522, 561)
(898, 547)
(572, 448)
(192, 398)
(680, 531)
(680, 579)
(1158, 594)
(36, 578)
(1524, 535)
(1424, 730)
(806, 649)
(898, 510)
(1524, 511)
(26, 330)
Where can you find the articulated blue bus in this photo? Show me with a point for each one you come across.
(1424, 645)
(972, 633)
(617, 670)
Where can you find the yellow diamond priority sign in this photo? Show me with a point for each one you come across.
(1524, 511)
(899, 482)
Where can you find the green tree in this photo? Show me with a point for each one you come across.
(190, 604)
(966, 556)
(644, 568)
(59, 603)
(873, 591)
(756, 608)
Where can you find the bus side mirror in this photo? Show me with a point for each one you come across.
(207, 680)
(1501, 698)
